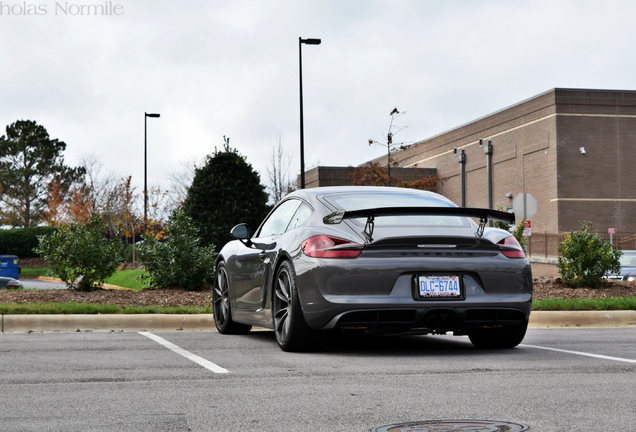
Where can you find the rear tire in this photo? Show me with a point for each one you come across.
(504, 337)
(222, 307)
(292, 332)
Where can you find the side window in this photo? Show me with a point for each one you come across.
(277, 222)
(300, 217)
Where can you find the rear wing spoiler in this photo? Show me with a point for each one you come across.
(484, 215)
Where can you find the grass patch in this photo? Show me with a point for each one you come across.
(615, 303)
(127, 279)
(34, 271)
(94, 309)
(122, 278)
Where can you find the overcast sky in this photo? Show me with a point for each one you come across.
(215, 68)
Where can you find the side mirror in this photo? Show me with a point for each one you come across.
(240, 232)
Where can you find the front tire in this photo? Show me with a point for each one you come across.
(504, 337)
(222, 307)
(292, 332)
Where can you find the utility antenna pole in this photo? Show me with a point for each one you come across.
(389, 138)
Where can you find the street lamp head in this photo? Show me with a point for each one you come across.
(310, 41)
(152, 115)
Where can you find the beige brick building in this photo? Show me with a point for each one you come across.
(573, 150)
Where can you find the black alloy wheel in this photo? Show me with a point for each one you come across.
(504, 337)
(292, 332)
(221, 305)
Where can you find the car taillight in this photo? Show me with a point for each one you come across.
(14, 284)
(323, 246)
(511, 248)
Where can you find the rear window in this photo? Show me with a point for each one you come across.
(359, 201)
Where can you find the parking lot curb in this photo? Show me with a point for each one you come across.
(561, 319)
(58, 280)
(106, 323)
(205, 322)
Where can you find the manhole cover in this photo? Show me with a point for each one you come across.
(452, 425)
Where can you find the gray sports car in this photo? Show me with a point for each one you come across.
(10, 283)
(375, 260)
(628, 267)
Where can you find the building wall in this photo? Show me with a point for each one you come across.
(342, 176)
(327, 176)
(598, 186)
(524, 158)
(536, 150)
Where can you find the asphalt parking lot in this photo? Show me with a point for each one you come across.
(41, 284)
(557, 380)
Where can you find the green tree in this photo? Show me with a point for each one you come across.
(22, 241)
(518, 231)
(585, 259)
(29, 160)
(81, 255)
(180, 260)
(225, 191)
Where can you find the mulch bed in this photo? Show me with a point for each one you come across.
(553, 288)
(147, 297)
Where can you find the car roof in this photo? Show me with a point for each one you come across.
(327, 190)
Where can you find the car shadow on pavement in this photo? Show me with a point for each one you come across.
(379, 345)
(382, 345)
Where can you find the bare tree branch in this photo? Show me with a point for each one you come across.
(278, 172)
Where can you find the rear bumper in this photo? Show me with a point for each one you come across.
(427, 320)
(381, 294)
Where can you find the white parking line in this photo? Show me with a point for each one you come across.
(581, 353)
(187, 354)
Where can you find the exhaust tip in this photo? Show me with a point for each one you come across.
(440, 320)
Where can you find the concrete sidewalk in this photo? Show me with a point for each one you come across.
(205, 322)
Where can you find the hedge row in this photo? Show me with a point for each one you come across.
(21, 241)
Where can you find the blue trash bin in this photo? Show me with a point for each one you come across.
(9, 266)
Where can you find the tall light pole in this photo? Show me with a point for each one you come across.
(302, 41)
(146, 115)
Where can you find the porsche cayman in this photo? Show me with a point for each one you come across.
(374, 260)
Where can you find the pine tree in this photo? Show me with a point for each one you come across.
(225, 191)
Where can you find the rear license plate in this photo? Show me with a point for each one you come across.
(439, 286)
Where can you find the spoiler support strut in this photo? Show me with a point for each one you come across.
(369, 226)
(482, 225)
